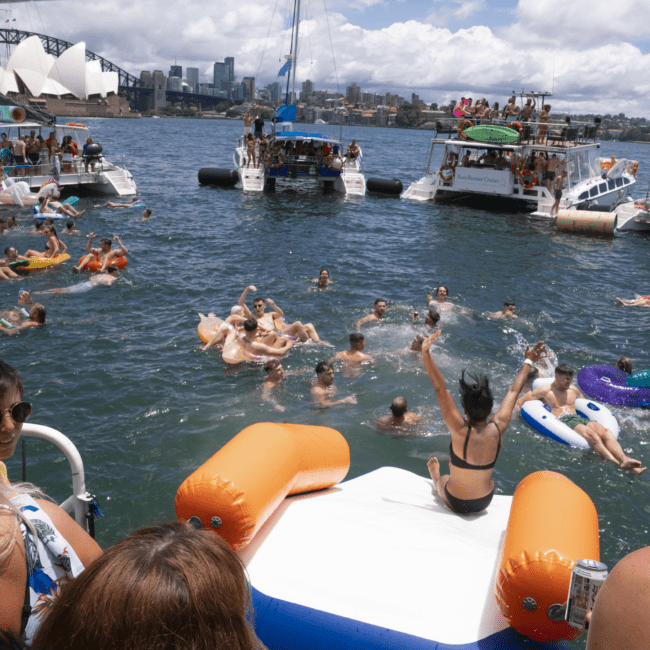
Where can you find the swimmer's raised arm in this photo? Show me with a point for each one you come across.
(89, 248)
(242, 299)
(277, 312)
(123, 249)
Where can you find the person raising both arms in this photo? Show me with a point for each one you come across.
(469, 487)
(105, 255)
(561, 396)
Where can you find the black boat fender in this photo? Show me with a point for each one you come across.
(384, 185)
(219, 177)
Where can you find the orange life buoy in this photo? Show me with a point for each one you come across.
(635, 166)
(95, 265)
(446, 179)
(523, 174)
(452, 160)
(606, 165)
(465, 124)
(515, 126)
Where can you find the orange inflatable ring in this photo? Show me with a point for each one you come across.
(83, 126)
(441, 173)
(452, 160)
(465, 124)
(526, 173)
(95, 265)
(635, 166)
(552, 525)
(515, 126)
(234, 493)
(606, 165)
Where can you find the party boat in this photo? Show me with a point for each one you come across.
(495, 160)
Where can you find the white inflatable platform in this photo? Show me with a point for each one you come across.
(379, 562)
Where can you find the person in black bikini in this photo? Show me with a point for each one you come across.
(469, 487)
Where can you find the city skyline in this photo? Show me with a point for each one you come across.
(592, 55)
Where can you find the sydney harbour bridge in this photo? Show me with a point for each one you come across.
(131, 86)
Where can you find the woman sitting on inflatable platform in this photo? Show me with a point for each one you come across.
(561, 396)
(469, 487)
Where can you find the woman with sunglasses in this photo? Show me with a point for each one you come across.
(41, 546)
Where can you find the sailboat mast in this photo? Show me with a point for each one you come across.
(295, 50)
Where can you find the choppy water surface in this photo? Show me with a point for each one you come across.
(120, 371)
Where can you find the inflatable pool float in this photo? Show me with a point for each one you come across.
(377, 562)
(40, 263)
(540, 418)
(641, 379)
(610, 385)
(208, 326)
(233, 353)
(95, 265)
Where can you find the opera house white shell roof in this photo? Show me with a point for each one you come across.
(42, 74)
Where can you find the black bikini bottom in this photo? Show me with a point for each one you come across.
(465, 506)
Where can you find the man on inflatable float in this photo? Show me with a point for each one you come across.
(561, 396)
(104, 255)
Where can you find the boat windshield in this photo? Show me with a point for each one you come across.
(583, 165)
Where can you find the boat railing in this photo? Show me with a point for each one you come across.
(81, 503)
(75, 167)
(560, 134)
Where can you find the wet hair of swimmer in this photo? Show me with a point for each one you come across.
(111, 268)
(509, 303)
(356, 337)
(564, 369)
(378, 301)
(322, 366)
(433, 315)
(147, 212)
(442, 286)
(625, 364)
(272, 364)
(107, 241)
(398, 407)
(37, 313)
(476, 397)
(70, 225)
(250, 325)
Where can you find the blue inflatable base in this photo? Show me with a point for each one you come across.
(282, 625)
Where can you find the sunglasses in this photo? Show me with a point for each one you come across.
(19, 411)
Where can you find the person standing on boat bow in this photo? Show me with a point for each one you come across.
(469, 487)
(511, 110)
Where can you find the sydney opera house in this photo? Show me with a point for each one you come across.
(66, 86)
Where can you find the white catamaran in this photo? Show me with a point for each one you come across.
(482, 168)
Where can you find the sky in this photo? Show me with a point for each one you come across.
(594, 55)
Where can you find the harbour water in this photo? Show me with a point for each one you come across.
(120, 369)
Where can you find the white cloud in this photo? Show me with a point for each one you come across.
(583, 48)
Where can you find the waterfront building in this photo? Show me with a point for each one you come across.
(275, 91)
(176, 71)
(220, 73)
(248, 87)
(175, 83)
(229, 63)
(353, 94)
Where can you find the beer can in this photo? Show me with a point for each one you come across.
(586, 578)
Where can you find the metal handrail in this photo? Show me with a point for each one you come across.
(80, 501)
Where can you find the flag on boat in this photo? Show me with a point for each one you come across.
(285, 68)
(286, 113)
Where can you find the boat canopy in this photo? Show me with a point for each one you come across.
(299, 135)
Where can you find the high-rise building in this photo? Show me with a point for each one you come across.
(308, 88)
(146, 79)
(160, 89)
(248, 85)
(220, 74)
(229, 62)
(353, 94)
(175, 84)
(193, 75)
(176, 71)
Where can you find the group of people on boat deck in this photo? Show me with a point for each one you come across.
(278, 152)
(481, 113)
(32, 150)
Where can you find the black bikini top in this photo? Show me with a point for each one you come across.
(462, 463)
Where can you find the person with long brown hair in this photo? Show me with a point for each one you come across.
(163, 587)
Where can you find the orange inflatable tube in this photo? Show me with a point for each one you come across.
(236, 490)
(552, 525)
(95, 265)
